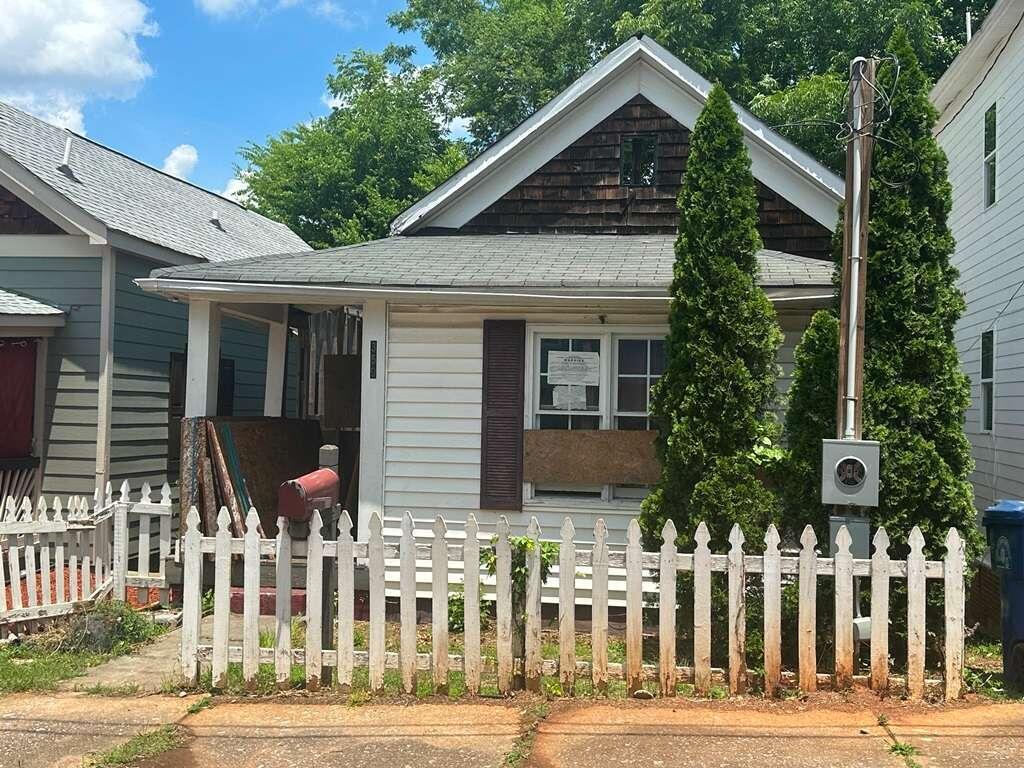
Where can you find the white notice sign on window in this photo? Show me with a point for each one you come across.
(574, 368)
(569, 397)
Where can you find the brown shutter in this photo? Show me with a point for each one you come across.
(501, 444)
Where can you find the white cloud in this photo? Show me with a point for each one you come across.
(331, 101)
(222, 8)
(237, 189)
(60, 54)
(458, 127)
(181, 160)
(335, 13)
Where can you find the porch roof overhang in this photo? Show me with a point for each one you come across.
(22, 315)
(478, 269)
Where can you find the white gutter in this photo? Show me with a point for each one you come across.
(298, 293)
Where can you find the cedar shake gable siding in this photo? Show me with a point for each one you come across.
(19, 218)
(578, 191)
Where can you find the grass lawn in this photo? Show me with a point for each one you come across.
(69, 647)
(983, 670)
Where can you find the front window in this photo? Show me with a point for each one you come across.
(639, 363)
(569, 380)
(639, 161)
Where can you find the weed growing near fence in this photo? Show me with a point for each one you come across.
(140, 747)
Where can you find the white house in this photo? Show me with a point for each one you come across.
(981, 103)
(514, 320)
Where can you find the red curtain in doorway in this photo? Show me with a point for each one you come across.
(17, 396)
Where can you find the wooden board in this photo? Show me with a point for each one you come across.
(342, 387)
(590, 456)
(270, 451)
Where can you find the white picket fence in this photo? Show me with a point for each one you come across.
(57, 557)
(315, 554)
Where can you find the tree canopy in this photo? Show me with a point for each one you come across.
(342, 178)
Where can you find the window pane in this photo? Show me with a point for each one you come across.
(546, 394)
(547, 345)
(631, 422)
(632, 356)
(639, 161)
(657, 357)
(990, 130)
(586, 345)
(987, 354)
(586, 422)
(632, 395)
(593, 398)
(990, 181)
(548, 421)
(987, 406)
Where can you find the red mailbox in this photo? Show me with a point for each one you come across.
(296, 499)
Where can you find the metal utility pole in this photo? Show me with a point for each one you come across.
(855, 246)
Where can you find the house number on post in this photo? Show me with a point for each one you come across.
(373, 358)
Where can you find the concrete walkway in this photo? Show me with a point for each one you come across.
(830, 732)
(146, 670)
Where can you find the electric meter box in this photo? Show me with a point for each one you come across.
(849, 472)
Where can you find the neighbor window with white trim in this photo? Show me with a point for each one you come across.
(988, 352)
(990, 156)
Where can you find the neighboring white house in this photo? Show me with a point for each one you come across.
(514, 320)
(981, 128)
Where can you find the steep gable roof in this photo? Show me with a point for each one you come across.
(127, 196)
(638, 66)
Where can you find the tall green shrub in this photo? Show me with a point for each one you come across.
(711, 406)
(915, 394)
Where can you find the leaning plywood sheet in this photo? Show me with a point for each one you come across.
(270, 451)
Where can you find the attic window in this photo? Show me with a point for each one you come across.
(639, 158)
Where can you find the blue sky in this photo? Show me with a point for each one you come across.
(145, 76)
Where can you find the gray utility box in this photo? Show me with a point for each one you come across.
(849, 472)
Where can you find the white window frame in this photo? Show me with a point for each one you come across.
(988, 384)
(607, 334)
(989, 162)
(614, 394)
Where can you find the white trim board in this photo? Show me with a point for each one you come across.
(637, 67)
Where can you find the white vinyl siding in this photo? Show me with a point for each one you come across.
(432, 417)
(990, 257)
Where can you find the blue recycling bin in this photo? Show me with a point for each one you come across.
(1004, 527)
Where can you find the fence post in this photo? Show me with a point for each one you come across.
(667, 610)
(120, 549)
(346, 601)
(701, 612)
(375, 552)
(880, 612)
(251, 600)
(808, 611)
(634, 609)
(599, 608)
(471, 608)
(567, 608)
(439, 605)
(954, 594)
(532, 671)
(221, 598)
(503, 590)
(283, 605)
(844, 651)
(314, 601)
(407, 607)
(737, 614)
(916, 593)
(191, 605)
(772, 612)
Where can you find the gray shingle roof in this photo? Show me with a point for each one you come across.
(493, 261)
(16, 304)
(131, 197)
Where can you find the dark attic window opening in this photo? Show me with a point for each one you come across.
(639, 158)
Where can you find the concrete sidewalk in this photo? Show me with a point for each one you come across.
(830, 731)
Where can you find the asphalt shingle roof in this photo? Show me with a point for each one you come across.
(16, 304)
(131, 197)
(493, 261)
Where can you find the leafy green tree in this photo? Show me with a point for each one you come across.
(500, 60)
(342, 178)
(915, 394)
(711, 405)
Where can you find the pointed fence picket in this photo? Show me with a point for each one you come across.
(803, 570)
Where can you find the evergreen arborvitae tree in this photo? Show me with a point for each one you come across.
(711, 406)
(915, 394)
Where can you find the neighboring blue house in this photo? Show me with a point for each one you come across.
(100, 362)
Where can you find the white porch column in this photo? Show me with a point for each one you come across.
(371, 414)
(203, 363)
(277, 352)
